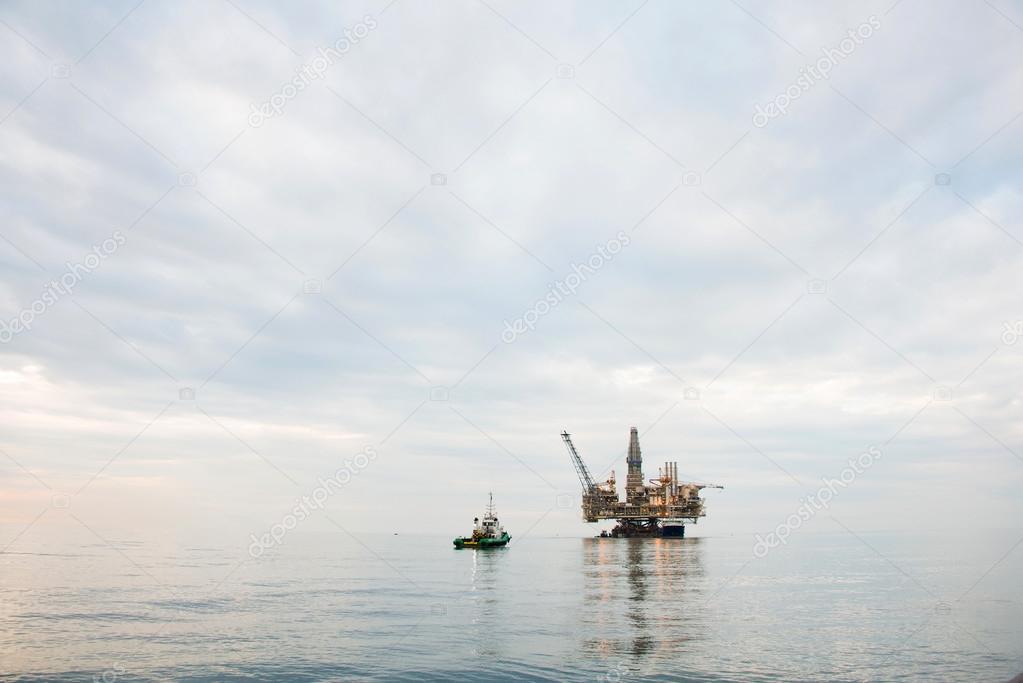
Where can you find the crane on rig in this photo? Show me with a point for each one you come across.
(658, 508)
(580, 467)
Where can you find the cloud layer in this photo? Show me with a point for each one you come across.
(340, 275)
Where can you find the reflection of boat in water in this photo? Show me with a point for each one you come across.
(490, 613)
(487, 533)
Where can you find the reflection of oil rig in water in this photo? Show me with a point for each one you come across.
(660, 508)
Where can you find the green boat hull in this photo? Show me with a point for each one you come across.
(468, 542)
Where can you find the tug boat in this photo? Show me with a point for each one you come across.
(487, 533)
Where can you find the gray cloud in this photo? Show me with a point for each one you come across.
(419, 278)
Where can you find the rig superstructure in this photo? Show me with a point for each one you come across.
(658, 508)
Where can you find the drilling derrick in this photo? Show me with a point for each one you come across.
(635, 490)
(658, 508)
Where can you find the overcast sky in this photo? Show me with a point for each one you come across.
(795, 289)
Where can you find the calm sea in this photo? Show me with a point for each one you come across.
(877, 607)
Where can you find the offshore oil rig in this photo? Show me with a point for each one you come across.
(658, 508)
